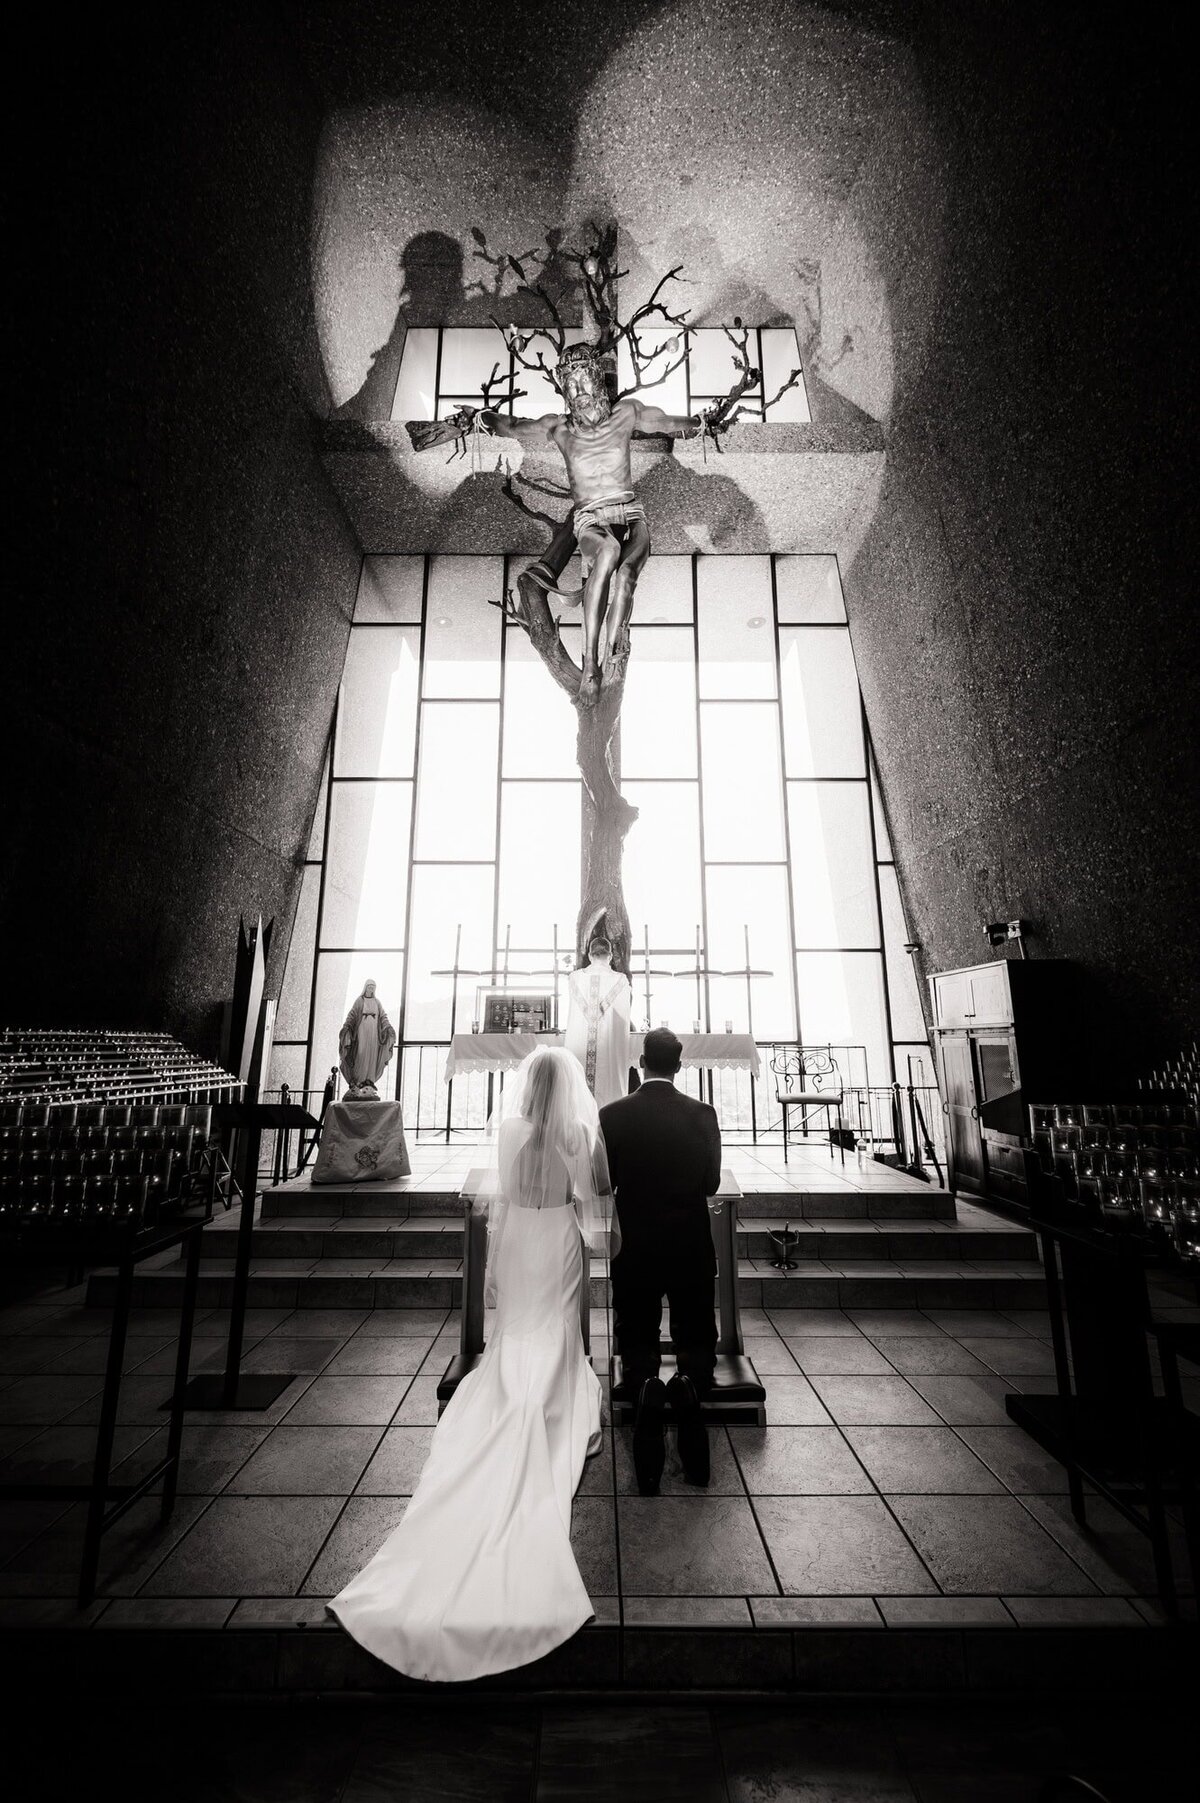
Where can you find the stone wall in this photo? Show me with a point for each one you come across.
(184, 623)
(1022, 606)
(977, 218)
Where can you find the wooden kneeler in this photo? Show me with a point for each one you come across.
(737, 1394)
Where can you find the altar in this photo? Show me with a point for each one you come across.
(505, 1051)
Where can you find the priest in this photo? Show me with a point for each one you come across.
(598, 1023)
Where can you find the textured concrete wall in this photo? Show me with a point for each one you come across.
(974, 215)
(1023, 608)
(971, 214)
(182, 633)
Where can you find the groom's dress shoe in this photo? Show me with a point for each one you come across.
(691, 1434)
(649, 1438)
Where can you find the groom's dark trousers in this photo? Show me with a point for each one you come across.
(664, 1158)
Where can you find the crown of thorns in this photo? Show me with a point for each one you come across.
(582, 357)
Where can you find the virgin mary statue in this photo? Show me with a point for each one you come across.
(365, 1045)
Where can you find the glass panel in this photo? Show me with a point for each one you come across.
(340, 977)
(737, 634)
(907, 1020)
(658, 715)
(669, 392)
(809, 591)
(540, 395)
(754, 900)
(444, 897)
(456, 792)
(389, 590)
(366, 877)
(711, 368)
(295, 993)
(462, 626)
(833, 872)
(664, 592)
(780, 356)
(415, 391)
(316, 839)
(469, 354)
(539, 721)
(743, 793)
(822, 720)
(914, 1064)
(377, 713)
(672, 999)
(883, 839)
(539, 863)
(841, 1002)
(662, 868)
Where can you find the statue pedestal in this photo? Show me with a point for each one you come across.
(361, 1142)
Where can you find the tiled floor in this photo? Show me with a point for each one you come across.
(890, 1488)
(806, 1751)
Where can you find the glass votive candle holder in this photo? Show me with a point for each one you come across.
(695, 1026)
(474, 1026)
(729, 1026)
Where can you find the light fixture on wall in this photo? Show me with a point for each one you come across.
(998, 932)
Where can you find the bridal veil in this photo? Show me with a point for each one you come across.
(546, 1150)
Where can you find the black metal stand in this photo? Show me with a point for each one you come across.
(232, 1389)
(84, 1249)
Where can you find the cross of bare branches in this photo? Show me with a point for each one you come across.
(535, 348)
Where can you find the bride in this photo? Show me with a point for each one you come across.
(479, 1576)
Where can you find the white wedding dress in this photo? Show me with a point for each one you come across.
(479, 1576)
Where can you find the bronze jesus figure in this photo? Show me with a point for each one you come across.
(594, 437)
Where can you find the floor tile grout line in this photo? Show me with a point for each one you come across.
(174, 1546)
(916, 1551)
(1049, 1531)
(766, 1545)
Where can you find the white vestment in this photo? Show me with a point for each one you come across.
(599, 1007)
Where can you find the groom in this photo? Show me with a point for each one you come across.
(664, 1158)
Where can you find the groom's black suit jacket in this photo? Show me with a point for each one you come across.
(664, 1158)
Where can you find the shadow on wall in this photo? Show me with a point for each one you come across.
(396, 186)
(434, 292)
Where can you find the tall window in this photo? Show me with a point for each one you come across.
(449, 826)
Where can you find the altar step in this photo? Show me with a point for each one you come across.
(381, 1239)
(655, 1649)
(840, 1202)
(412, 1283)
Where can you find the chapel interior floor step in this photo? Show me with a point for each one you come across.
(891, 1530)
(405, 1283)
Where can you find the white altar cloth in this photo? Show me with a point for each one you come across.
(361, 1142)
(505, 1051)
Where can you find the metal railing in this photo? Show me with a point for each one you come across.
(900, 1122)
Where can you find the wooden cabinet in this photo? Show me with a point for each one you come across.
(972, 998)
(964, 1144)
(1004, 1034)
